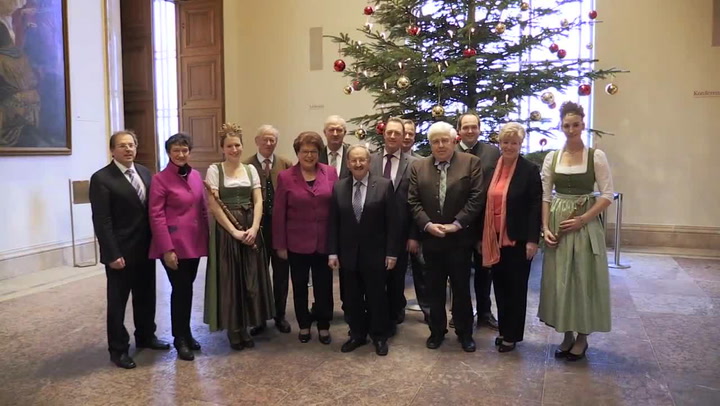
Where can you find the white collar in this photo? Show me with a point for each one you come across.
(262, 159)
(124, 168)
(396, 154)
(464, 146)
(364, 180)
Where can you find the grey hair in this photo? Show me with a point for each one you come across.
(512, 130)
(441, 128)
(335, 118)
(267, 128)
(359, 146)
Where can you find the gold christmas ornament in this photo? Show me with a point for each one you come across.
(535, 116)
(611, 89)
(500, 28)
(360, 134)
(438, 111)
(403, 82)
(524, 6)
(564, 23)
(548, 98)
(347, 90)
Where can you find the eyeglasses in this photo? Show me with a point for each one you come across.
(126, 146)
(307, 153)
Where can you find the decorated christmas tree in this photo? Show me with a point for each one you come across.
(433, 60)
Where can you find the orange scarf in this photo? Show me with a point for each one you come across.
(493, 239)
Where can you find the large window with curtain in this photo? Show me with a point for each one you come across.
(166, 73)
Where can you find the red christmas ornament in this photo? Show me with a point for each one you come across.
(560, 53)
(543, 142)
(554, 48)
(592, 15)
(356, 85)
(584, 89)
(339, 65)
(368, 10)
(458, 139)
(380, 127)
(413, 30)
(469, 52)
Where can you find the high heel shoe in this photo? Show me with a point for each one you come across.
(560, 353)
(324, 339)
(576, 357)
(304, 338)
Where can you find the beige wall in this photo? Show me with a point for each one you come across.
(664, 156)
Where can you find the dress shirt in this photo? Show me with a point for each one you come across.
(124, 169)
(262, 159)
(340, 158)
(395, 164)
(603, 177)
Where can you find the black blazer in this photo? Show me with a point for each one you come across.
(119, 218)
(524, 203)
(344, 171)
(375, 236)
(408, 229)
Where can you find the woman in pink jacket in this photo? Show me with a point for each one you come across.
(179, 224)
(300, 222)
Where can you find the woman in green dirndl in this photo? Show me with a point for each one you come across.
(575, 289)
(238, 289)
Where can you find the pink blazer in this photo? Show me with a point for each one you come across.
(301, 212)
(178, 214)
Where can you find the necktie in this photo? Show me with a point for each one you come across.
(357, 201)
(442, 189)
(333, 159)
(266, 167)
(135, 182)
(387, 172)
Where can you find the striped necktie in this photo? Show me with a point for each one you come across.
(442, 189)
(357, 201)
(135, 182)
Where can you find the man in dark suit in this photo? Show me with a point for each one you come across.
(363, 240)
(444, 196)
(468, 127)
(335, 153)
(118, 196)
(391, 163)
(268, 166)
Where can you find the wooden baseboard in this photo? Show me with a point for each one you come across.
(683, 237)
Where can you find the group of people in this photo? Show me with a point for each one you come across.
(469, 207)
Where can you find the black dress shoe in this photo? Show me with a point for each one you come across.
(506, 348)
(282, 325)
(324, 339)
(381, 347)
(183, 350)
(258, 329)
(467, 344)
(352, 344)
(304, 338)
(560, 353)
(193, 344)
(401, 317)
(488, 320)
(433, 342)
(577, 357)
(153, 344)
(123, 360)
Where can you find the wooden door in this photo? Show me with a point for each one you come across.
(200, 69)
(138, 77)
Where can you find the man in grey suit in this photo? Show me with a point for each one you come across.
(391, 163)
(468, 127)
(335, 154)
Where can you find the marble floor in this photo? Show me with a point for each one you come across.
(663, 350)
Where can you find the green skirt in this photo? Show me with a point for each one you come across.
(575, 290)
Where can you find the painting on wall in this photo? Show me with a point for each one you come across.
(34, 87)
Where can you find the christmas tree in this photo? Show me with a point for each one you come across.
(433, 60)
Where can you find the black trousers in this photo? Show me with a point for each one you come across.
(417, 263)
(439, 266)
(280, 271)
(138, 278)
(300, 265)
(483, 281)
(510, 277)
(395, 279)
(366, 305)
(181, 297)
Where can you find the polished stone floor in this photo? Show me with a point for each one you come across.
(664, 349)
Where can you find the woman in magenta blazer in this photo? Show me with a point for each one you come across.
(179, 223)
(300, 222)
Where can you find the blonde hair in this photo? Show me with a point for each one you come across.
(512, 130)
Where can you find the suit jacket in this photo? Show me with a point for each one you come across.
(344, 171)
(489, 155)
(300, 213)
(524, 203)
(462, 200)
(375, 236)
(119, 218)
(178, 214)
(279, 164)
(401, 185)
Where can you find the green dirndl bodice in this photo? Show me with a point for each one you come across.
(575, 288)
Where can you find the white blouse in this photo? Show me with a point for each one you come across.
(603, 177)
(213, 178)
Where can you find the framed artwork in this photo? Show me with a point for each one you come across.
(34, 84)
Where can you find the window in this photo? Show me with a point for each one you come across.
(166, 76)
